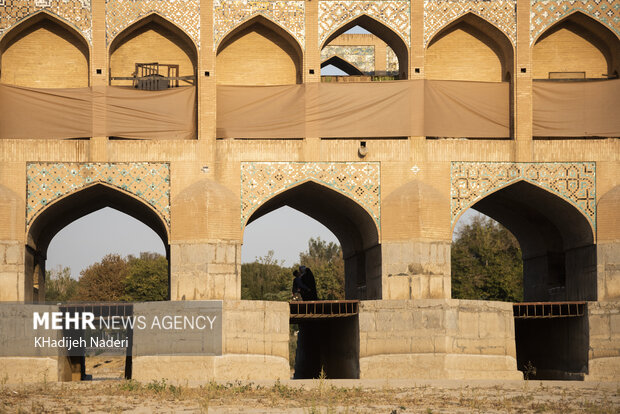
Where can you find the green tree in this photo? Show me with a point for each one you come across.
(105, 280)
(326, 262)
(486, 262)
(266, 279)
(59, 285)
(147, 278)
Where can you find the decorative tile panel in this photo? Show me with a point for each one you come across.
(500, 13)
(544, 13)
(359, 181)
(394, 14)
(575, 182)
(228, 14)
(47, 182)
(362, 57)
(121, 14)
(76, 13)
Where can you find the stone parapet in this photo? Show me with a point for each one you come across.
(604, 331)
(437, 339)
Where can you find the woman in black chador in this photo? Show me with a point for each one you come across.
(307, 278)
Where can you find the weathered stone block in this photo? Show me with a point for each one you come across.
(599, 326)
(468, 324)
(14, 254)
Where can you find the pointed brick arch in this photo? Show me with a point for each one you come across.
(501, 14)
(546, 14)
(365, 16)
(22, 56)
(359, 181)
(148, 183)
(184, 14)
(229, 16)
(259, 19)
(496, 62)
(333, 15)
(598, 44)
(76, 14)
(161, 21)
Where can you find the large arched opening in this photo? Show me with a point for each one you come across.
(44, 52)
(576, 47)
(152, 40)
(394, 41)
(332, 345)
(259, 52)
(66, 210)
(349, 222)
(112, 279)
(559, 265)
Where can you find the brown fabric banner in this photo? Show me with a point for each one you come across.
(261, 111)
(467, 109)
(28, 113)
(377, 109)
(373, 109)
(45, 113)
(167, 114)
(575, 109)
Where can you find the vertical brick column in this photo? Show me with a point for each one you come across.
(523, 85)
(312, 61)
(98, 60)
(416, 49)
(13, 284)
(206, 84)
(418, 147)
(312, 52)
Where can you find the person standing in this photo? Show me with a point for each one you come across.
(307, 277)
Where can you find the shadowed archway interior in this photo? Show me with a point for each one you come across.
(559, 264)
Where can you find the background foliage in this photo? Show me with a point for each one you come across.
(267, 279)
(114, 278)
(486, 262)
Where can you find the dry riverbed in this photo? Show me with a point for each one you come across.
(313, 396)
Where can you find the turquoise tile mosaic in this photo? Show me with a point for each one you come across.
(48, 182)
(544, 13)
(575, 182)
(359, 181)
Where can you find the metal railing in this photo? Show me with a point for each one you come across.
(319, 309)
(540, 310)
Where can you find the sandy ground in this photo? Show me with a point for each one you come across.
(314, 396)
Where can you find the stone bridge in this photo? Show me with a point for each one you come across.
(478, 131)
